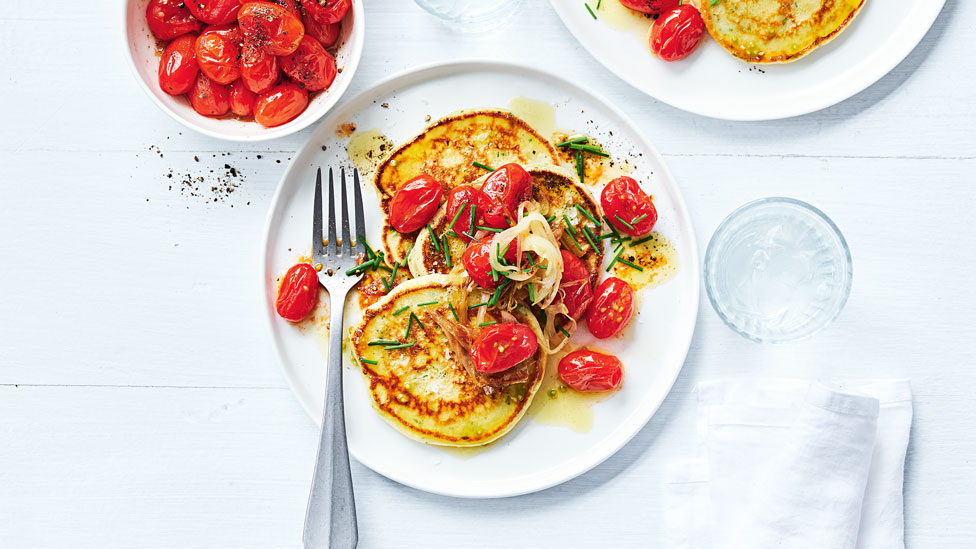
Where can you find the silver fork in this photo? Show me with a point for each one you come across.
(330, 518)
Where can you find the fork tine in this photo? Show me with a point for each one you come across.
(333, 244)
(346, 240)
(357, 194)
(318, 248)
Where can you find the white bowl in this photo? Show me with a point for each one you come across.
(144, 61)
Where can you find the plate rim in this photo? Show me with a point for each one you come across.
(614, 441)
(862, 80)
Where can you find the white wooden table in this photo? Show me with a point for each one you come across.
(141, 406)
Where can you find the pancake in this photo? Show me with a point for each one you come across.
(425, 391)
(446, 151)
(558, 192)
(776, 31)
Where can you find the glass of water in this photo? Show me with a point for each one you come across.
(778, 270)
(471, 15)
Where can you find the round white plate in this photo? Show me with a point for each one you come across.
(711, 82)
(533, 456)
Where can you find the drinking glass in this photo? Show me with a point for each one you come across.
(471, 15)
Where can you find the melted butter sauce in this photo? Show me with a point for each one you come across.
(367, 149)
(556, 404)
(658, 257)
(614, 15)
(539, 114)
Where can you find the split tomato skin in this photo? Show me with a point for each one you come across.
(327, 11)
(270, 27)
(298, 293)
(677, 32)
(415, 203)
(280, 105)
(588, 371)
(502, 192)
(611, 309)
(575, 284)
(326, 34)
(467, 197)
(503, 346)
(310, 66)
(241, 99)
(218, 53)
(259, 69)
(624, 199)
(170, 18)
(209, 98)
(178, 65)
(214, 12)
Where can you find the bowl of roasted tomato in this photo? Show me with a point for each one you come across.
(244, 70)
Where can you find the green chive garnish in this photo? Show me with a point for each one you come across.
(489, 323)
(433, 239)
(589, 10)
(612, 228)
(368, 361)
(457, 215)
(637, 220)
(643, 240)
(579, 165)
(370, 254)
(478, 305)
(580, 139)
(386, 284)
(713, 2)
(382, 342)
(550, 219)
(483, 166)
(400, 346)
(453, 312)
(620, 219)
(398, 311)
(497, 294)
(589, 237)
(592, 149)
(426, 303)
(531, 262)
(409, 325)
(598, 2)
(447, 253)
(628, 263)
(615, 258)
(563, 330)
(362, 267)
(491, 229)
(531, 292)
(586, 213)
(471, 226)
(569, 226)
(419, 323)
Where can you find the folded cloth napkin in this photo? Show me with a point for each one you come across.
(793, 464)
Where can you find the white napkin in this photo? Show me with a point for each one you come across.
(793, 464)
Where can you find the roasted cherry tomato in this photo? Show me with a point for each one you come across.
(270, 27)
(477, 262)
(219, 54)
(310, 66)
(502, 346)
(208, 97)
(326, 11)
(294, 6)
(414, 203)
(586, 370)
(298, 293)
(463, 197)
(241, 99)
(259, 69)
(611, 309)
(575, 283)
(170, 18)
(503, 191)
(281, 104)
(214, 12)
(677, 32)
(326, 34)
(653, 7)
(628, 207)
(178, 66)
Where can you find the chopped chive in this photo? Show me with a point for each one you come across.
(592, 149)
(396, 267)
(598, 2)
(361, 267)
(619, 246)
(483, 166)
(531, 292)
(579, 166)
(589, 237)
(589, 10)
(636, 220)
(398, 311)
(531, 262)
(580, 139)
(628, 263)
(454, 234)
(580, 248)
(561, 329)
(491, 229)
(382, 342)
(620, 219)
(541, 266)
(368, 361)
(453, 312)
(478, 305)
(471, 226)
(643, 240)
(569, 226)
(605, 236)
(615, 258)
(713, 2)
(400, 346)
(419, 323)
(498, 253)
(370, 254)
(498, 294)
(447, 253)
(426, 303)
(488, 323)
(550, 219)
(505, 251)
(384, 267)
(586, 213)
(494, 274)
(409, 325)
(457, 215)
(386, 284)
(433, 238)
(612, 228)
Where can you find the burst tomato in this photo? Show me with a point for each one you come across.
(503, 191)
(463, 197)
(414, 203)
(502, 346)
(270, 27)
(298, 293)
(628, 207)
(677, 32)
(586, 370)
(575, 283)
(611, 309)
(178, 66)
(310, 66)
(653, 7)
(279, 105)
(219, 54)
(326, 34)
(208, 97)
(214, 12)
(294, 6)
(259, 69)
(326, 11)
(477, 262)
(170, 18)
(241, 99)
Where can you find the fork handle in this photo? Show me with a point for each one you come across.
(330, 518)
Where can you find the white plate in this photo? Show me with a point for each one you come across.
(711, 82)
(533, 456)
